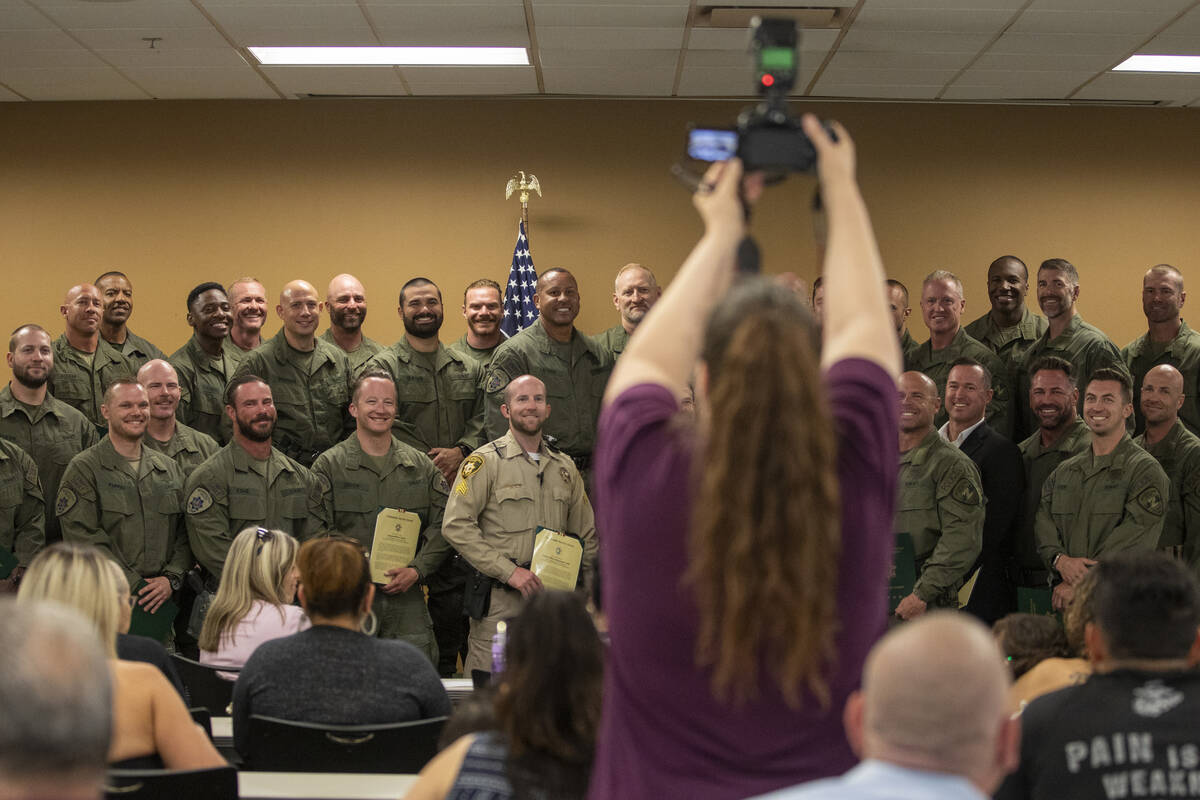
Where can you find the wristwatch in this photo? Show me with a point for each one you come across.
(1054, 563)
(175, 582)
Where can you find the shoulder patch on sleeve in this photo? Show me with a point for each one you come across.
(199, 500)
(472, 465)
(1151, 500)
(964, 491)
(497, 379)
(442, 486)
(65, 502)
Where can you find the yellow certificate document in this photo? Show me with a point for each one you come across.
(556, 560)
(396, 535)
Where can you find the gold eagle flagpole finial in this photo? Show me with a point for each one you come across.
(524, 185)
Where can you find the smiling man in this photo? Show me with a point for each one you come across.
(1009, 328)
(309, 378)
(483, 308)
(346, 300)
(1168, 340)
(206, 362)
(84, 364)
(127, 500)
(635, 291)
(1108, 499)
(248, 300)
(186, 446)
(117, 293)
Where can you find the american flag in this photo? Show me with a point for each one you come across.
(519, 311)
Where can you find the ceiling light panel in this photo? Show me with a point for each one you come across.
(130, 14)
(1159, 63)
(390, 56)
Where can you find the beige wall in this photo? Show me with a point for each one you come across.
(175, 193)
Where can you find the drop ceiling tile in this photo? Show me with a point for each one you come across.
(955, 20)
(101, 83)
(36, 40)
(965, 92)
(20, 16)
(641, 16)
(471, 80)
(1091, 22)
(7, 97)
(582, 80)
(1113, 45)
(178, 58)
(202, 83)
(642, 59)
(1135, 86)
(784, 3)
(914, 41)
(1043, 61)
(1110, 5)
(436, 25)
(540, 3)
(888, 77)
(1189, 23)
(132, 38)
(77, 14)
(256, 23)
(336, 80)
(858, 60)
(737, 39)
(299, 37)
(1041, 83)
(1169, 44)
(826, 89)
(948, 5)
(77, 57)
(605, 38)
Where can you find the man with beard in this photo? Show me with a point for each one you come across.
(248, 300)
(372, 470)
(84, 364)
(347, 302)
(940, 504)
(187, 447)
(248, 483)
(573, 367)
(207, 362)
(1169, 340)
(504, 492)
(898, 302)
(309, 377)
(125, 499)
(440, 413)
(117, 293)
(1177, 451)
(1110, 498)
(1010, 328)
(635, 292)
(49, 430)
(1061, 434)
(482, 304)
(1067, 335)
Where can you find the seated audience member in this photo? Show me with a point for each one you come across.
(1029, 639)
(152, 728)
(1122, 733)
(333, 672)
(947, 735)
(735, 683)
(57, 702)
(254, 601)
(547, 709)
(1052, 674)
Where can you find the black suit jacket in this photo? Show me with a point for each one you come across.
(1003, 477)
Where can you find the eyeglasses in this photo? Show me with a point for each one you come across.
(263, 536)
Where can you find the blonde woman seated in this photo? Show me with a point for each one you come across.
(152, 728)
(254, 601)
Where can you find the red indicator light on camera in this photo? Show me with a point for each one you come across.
(768, 80)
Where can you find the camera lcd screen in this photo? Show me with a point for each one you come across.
(777, 59)
(712, 144)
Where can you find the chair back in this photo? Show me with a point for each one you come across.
(205, 688)
(217, 783)
(203, 718)
(277, 745)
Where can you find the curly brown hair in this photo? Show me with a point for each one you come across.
(766, 535)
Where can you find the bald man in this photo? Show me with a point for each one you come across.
(85, 364)
(187, 447)
(945, 735)
(1178, 452)
(635, 291)
(310, 379)
(1168, 340)
(248, 301)
(346, 300)
(939, 516)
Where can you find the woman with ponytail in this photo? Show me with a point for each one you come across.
(746, 555)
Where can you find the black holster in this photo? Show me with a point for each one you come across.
(477, 599)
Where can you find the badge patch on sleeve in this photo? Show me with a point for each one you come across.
(65, 501)
(472, 465)
(965, 492)
(1151, 500)
(497, 380)
(199, 500)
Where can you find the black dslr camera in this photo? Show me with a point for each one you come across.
(767, 137)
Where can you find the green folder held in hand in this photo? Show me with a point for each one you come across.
(904, 570)
(8, 562)
(156, 625)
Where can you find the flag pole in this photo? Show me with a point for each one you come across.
(524, 185)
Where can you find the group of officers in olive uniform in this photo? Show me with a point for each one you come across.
(1034, 473)
(312, 435)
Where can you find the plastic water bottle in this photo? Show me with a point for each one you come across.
(499, 640)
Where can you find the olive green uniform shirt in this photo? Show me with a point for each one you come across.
(1009, 343)
(936, 364)
(501, 496)
(22, 506)
(941, 507)
(442, 408)
(137, 349)
(1096, 506)
(1178, 453)
(612, 341)
(574, 387)
(312, 395)
(188, 447)
(53, 435)
(202, 380)
(1183, 353)
(908, 348)
(1085, 346)
(1039, 462)
(481, 358)
(359, 355)
(136, 521)
(232, 491)
(81, 385)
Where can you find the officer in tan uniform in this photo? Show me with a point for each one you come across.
(372, 470)
(940, 504)
(504, 491)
